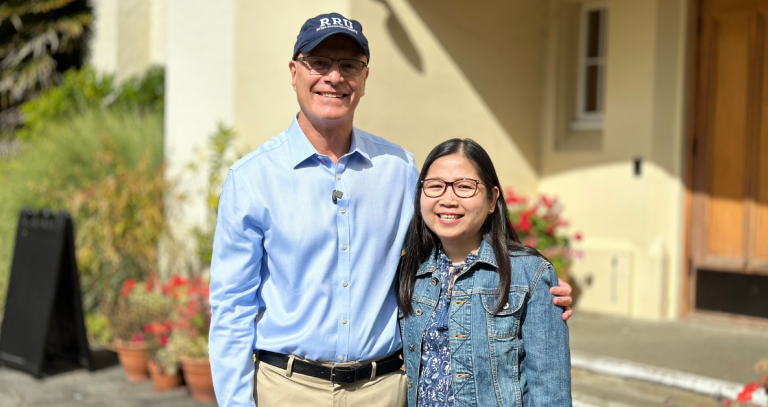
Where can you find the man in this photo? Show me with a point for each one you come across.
(308, 239)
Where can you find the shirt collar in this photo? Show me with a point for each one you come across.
(485, 255)
(357, 146)
(301, 148)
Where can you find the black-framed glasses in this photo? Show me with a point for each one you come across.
(463, 188)
(321, 65)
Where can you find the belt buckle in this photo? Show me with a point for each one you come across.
(343, 369)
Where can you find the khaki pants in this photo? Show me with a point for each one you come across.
(273, 387)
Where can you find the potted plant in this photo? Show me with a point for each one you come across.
(195, 364)
(163, 363)
(189, 338)
(539, 225)
(137, 305)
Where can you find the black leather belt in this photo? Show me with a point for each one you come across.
(335, 374)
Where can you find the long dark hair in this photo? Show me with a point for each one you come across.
(419, 240)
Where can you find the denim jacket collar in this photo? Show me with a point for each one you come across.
(485, 255)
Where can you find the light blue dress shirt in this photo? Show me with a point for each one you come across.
(319, 275)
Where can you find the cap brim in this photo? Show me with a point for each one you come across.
(314, 43)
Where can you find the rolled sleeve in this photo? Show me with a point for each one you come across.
(235, 280)
(546, 363)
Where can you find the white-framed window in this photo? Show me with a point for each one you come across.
(590, 90)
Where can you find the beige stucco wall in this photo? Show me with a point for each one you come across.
(200, 91)
(633, 224)
(128, 36)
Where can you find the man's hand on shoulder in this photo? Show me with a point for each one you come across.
(563, 298)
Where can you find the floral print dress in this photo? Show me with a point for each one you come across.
(435, 387)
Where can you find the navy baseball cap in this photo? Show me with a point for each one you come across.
(316, 29)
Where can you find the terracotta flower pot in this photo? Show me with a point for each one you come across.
(133, 359)
(162, 381)
(197, 374)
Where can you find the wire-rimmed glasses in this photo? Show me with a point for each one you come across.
(463, 188)
(321, 65)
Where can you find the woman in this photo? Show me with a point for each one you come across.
(479, 326)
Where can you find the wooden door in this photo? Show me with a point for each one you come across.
(729, 212)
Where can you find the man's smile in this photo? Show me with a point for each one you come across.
(332, 95)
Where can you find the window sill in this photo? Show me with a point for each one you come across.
(586, 125)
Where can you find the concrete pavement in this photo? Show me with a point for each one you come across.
(80, 388)
(714, 351)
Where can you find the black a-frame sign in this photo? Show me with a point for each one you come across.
(43, 323)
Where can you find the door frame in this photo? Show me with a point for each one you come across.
(688, 304)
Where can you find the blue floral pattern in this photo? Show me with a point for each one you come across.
(435, 387)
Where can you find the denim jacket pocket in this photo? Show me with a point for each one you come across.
(505, 324)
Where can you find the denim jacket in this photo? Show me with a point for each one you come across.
(518, 357)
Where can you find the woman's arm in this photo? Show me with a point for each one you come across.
(545, 367)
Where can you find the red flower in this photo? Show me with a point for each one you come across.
(727, 402)
(577, 236)
(137, 337)
(177, 281)
(746, 394)
(548, 203)
(149, 283)
(127, 287)
(163, 340)
(525, 224)
(513, 199)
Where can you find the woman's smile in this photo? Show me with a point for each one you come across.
(448, 218)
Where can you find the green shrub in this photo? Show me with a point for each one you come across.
(142, 92)
(84, 90)
(218, 158)
(105, 166)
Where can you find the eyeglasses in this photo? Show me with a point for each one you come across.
(321, 65)
(463, 188)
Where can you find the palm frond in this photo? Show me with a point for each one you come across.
(44, 6)
(46, 36)
(28, 75)
(35, 46)
(10, 9)
(72, 26)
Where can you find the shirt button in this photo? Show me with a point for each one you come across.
(344, 321)
(338, 176)
(344, 284)
(418, 311)
(410, 384)
(341, 358)
(343, 210)
(506, 306)
(410, 348)
(434, 281)
(343, 247)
